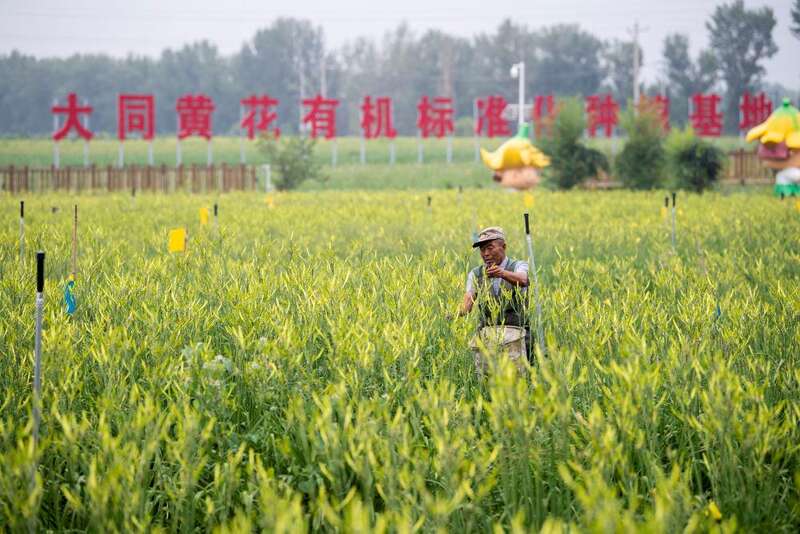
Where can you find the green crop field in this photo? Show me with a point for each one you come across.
(104, 151)
(296, 368)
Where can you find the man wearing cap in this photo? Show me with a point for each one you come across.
(499, 287)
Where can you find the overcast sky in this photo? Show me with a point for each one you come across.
(146, 27)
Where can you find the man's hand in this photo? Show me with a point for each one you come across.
(494, 271)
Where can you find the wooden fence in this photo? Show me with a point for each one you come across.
(159, 178)
(742, 168)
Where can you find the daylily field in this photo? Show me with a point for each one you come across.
(297, 367)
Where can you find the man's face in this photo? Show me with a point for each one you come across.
(493, 252)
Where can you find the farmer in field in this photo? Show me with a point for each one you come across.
(499, 289)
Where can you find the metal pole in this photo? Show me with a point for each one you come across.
(216, 219)
(475, 131)
(121, 155)
(85, 142)
(267, 178)
(539, 327)
(37, 347)
(449, 149)
(242, 158)
(56, 153)
(522, 118)
(178, 155)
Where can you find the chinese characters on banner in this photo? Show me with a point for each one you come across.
(705, 118)
(194, 116)
(321, 116)
(542, 114)
(659, 104)
(135, 114)
(259, 114)
(72, 121)
(601, 113)
(435, 116)
(376, 118)
(377, 121)
(490, 119)
(194, 119)
(753, 110)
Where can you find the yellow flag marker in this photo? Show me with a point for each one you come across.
(177, 240)
(528, 200)
(204, 216)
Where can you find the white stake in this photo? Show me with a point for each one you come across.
(539, 327)
(267, 178)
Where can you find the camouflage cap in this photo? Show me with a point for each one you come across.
(489, 234)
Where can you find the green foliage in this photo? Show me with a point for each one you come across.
(571, 162)
(618, 56)
(294, 370)
(796, 19)
(567, 60)
(640, 165)
(692, 162)
(686, 77)
(742, 40)
(293, 160)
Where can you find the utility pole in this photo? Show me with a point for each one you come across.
(301, 75)
(323, 82)
(518, 71)
(636, 61)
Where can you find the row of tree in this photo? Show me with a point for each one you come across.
(289, 61)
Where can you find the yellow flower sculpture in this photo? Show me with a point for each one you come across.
(779, 146)
(516, 162)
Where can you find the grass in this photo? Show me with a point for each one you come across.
(104, 151)
(296, 368)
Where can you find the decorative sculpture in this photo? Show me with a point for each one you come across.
(779, 147)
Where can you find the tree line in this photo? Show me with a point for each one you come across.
(289, 60)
